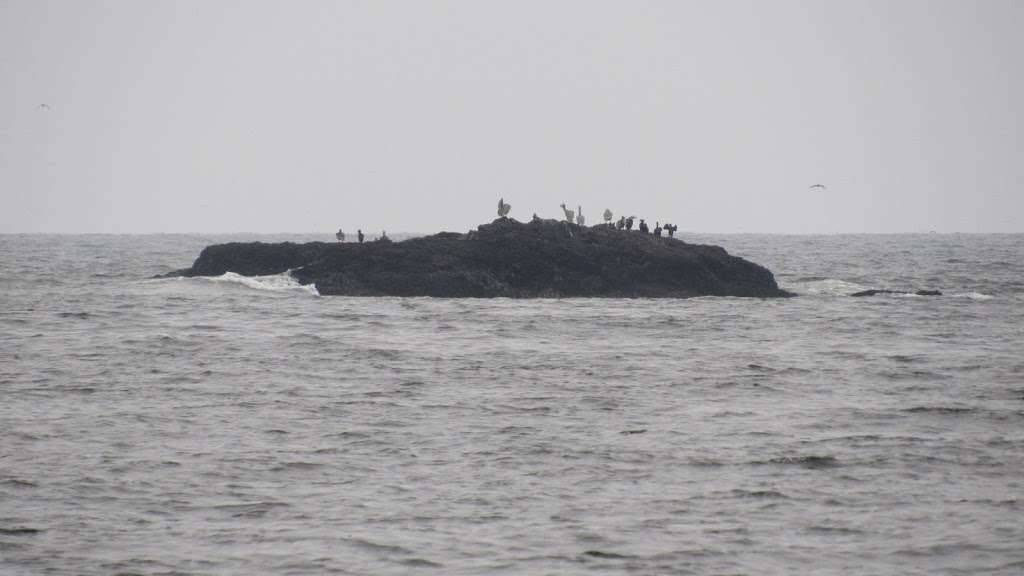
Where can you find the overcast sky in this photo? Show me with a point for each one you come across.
(416, 116)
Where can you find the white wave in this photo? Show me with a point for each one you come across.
(827, 287)
(973, 296)
(283, 282)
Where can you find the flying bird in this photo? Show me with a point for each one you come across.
(820, 186)
(44, 106)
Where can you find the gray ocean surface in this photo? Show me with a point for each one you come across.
(248, 426)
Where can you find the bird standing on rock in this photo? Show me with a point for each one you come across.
(503, 208)
(569, 214)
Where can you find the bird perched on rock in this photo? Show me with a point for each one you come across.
(569, 214)
(579, 215)
(503, 208)
(608, 216)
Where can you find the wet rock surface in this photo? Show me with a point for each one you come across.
(873, 292)
(506, 258)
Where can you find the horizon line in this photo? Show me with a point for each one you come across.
(331, 234)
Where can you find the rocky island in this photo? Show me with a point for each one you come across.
(506, 258)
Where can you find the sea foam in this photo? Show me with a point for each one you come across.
(283, 282)
(827, 287)
(973, 296)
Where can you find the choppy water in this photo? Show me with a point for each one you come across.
(248, 426)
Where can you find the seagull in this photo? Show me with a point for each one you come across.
(821, 186)
(44, 106)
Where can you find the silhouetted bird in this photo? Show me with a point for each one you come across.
(359, 234)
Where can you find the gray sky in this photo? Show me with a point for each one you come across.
(417, 116)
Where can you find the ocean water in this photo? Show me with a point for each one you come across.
(239, 425)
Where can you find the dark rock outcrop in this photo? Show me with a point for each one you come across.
(542, 258)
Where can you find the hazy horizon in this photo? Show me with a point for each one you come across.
(261, 117)
(402, 235)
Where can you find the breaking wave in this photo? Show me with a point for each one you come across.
(973, 296)
(827, 287)
(283, 282)
(834, 287)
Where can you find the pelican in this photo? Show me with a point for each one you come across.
(503, 208)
